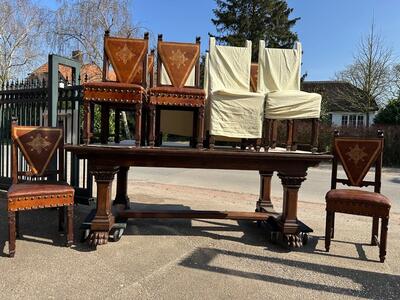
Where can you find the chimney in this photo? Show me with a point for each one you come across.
(77, 55)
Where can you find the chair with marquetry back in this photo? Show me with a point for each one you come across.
(357, 156)
(177, 89)
(128, 57)
(41, 183)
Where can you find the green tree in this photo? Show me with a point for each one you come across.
(239, 20)
(390, 114)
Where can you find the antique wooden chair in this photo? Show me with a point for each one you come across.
(174, 90)
(126, 56)
(234, 112)
(279, 78)
(32, 188)
(357, 156)
(137, 78)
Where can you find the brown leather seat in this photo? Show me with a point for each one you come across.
(113, 84)
(357, 202)
(24, 196)
(169, 95)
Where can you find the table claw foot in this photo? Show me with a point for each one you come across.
(97, 238)
(292, 240)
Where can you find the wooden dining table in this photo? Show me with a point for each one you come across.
(104, 162)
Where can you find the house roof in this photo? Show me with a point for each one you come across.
(93, 72)
(338, 95)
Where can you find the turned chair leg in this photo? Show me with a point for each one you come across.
(11, 233)
(86, 122)
(105, 123)
(200, 128)
(333, 225)
(265, 135)
(382, 244)
(328, 230)
(294, 135)
(289, 139)
(211, 142)
(117, 130)
(152, 125)
(273, 130)
(375, 229)
(61, 219)
(314, 135)
(70, 225)
(138, 124)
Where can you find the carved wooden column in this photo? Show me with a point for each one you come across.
(200, 127)
(264, 202)
(104, 220)
(288, 220)
(121, 197)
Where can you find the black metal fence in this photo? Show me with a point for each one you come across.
(36, 103)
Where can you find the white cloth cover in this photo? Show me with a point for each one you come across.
(233, 110)
(174, 121)
(292, 105)
(279, 78)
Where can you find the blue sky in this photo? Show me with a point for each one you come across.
(329, 30)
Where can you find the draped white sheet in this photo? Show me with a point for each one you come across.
(279, 78)
(233, 111)
(175, 121)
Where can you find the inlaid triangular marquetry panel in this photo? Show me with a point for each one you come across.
(254, 77)
(138, 78)
(178, 60)
(37, 144)
(125, 55)
(357, 156)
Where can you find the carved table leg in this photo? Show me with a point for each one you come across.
(121, 197)
(288, 223)
(264, 202)
(104, 219)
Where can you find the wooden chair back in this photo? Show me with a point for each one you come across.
(178, 59)
(127, 56)
(357, 155)
(38, 146)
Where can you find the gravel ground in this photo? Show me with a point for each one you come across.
(198, 259)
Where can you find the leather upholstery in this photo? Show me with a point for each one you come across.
(167, 95)
(23, 196)
(113, 92)
(357, 202)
